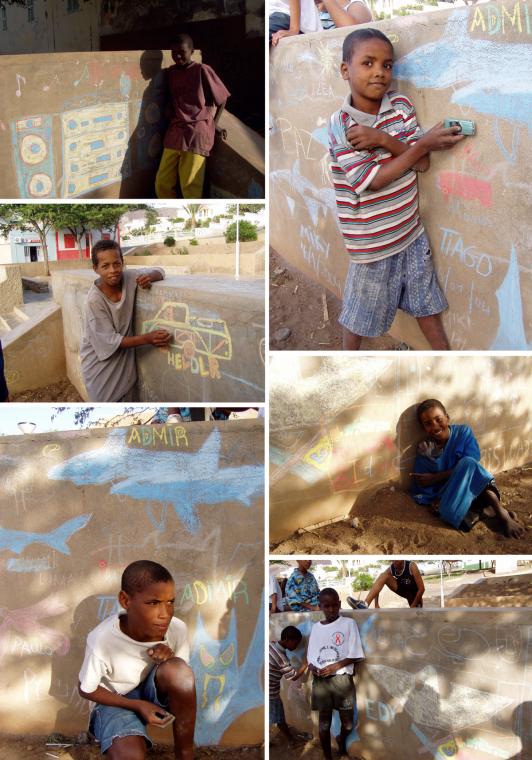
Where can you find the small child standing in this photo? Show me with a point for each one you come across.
(376, 147)
(198, 97)
(334, 646)
(108, 363)
(135, 669)
(280, 667)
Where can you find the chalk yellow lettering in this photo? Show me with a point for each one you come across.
(241, 590)
(515, 20)
(160, 434)
(187, 595)
(134, 436)
(50, 449)
(201, 589)
(180, 434)
(203, 370)
(478, 20)
(494, 20)
(147, 437)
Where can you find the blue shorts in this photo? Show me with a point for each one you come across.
(108, 723)
(373, 292)
(276, 711)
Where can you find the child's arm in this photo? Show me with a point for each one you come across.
(357, 13)
(295, 20)
(334, 667)
(145, 280)
(146, 710)
(420, 585)
(364, 138)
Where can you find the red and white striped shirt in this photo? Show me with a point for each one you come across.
(375, 224)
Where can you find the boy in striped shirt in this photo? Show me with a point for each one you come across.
(376, 147)
(279, 667)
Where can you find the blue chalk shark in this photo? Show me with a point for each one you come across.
(181, 479)
(477, 69)
(17, 540)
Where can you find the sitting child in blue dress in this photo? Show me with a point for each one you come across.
(448, 474)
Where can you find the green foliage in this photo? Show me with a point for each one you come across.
(193, 241)
(183, 250)
(362, 582)
(247, 231)
(177, 219)
(141, 252)
(246, 208)
(169, 241)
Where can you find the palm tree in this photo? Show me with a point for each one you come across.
(193, 210)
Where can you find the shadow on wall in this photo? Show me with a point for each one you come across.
(145, 144)
(330, 441)
(452, 685)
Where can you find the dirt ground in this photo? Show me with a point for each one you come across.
(390, 522)
(61, 391)
(310, 313)
(34, 747)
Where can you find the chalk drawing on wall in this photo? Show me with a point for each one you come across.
(182, 480)
(95, 141)
(198, 343)
(35, 638)
(18, 540)
(34, 164)
(420, 694)
(225, 689)
(511, 333)
(466, 63)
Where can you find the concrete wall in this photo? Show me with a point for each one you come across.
(227, 362)
(341, 425)
(77, 507)
(91, 125)
(475, 200)
(201, 263)
(438, 683)
(10, 288)
(34, 353)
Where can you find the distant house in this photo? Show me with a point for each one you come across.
(24, 247)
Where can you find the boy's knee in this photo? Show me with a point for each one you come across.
(465, 462)
(175, 674)
(127, 748)
(324, 723)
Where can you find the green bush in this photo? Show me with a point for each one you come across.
(183, 251)
(193, 241)
(169, 241)
(362, 582)
(247, 231)
(179, 219)
(143, 252)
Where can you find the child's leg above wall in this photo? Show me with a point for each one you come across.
(433, 330)
(191, 174)
(166, 179)
(325, 719)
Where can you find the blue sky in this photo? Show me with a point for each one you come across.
(41, 415)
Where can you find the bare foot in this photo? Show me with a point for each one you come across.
(342, 749)
(510, 527)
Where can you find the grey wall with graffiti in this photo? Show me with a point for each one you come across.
(435, 683)
(77, 507)
(471, 63)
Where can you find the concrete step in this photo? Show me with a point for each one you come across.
(513, 600)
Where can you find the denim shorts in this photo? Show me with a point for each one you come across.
(108, 723)
(276, 711)
(373, 292)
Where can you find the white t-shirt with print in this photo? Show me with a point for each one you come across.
(310, 17)
(117, 662)
(333, 642)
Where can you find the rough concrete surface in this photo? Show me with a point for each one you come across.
(77, 507)
(342, 427)
(450, 683)
(475, 200)
(10, 288)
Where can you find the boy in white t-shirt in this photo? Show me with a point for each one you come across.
(334, 646)
(135, 669)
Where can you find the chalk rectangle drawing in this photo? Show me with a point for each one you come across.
(33, 155)
(95, 141)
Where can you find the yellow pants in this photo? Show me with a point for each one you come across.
(188, 167)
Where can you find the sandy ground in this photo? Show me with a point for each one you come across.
(310, 313)
(390, 522)
(33, 747)
(62, 391)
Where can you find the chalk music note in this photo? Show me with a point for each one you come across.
(54, 80)
(84, 75)
(20, 78)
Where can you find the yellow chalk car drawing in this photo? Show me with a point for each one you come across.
(192, 335)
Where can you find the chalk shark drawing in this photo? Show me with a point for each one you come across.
(184, 480)
(17, 540)
(511, 333)
(467, 64)
(225, 689)
(461, 708)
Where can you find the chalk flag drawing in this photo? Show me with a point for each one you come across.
(95, 141)
(225, 689)
(17, 540)
(462, 707)
(465, 63)
(184, 480)
(25, 621)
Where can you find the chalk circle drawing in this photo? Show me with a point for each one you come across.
(40, 186)
(33, 149)
(33, 156)
(192, 334)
